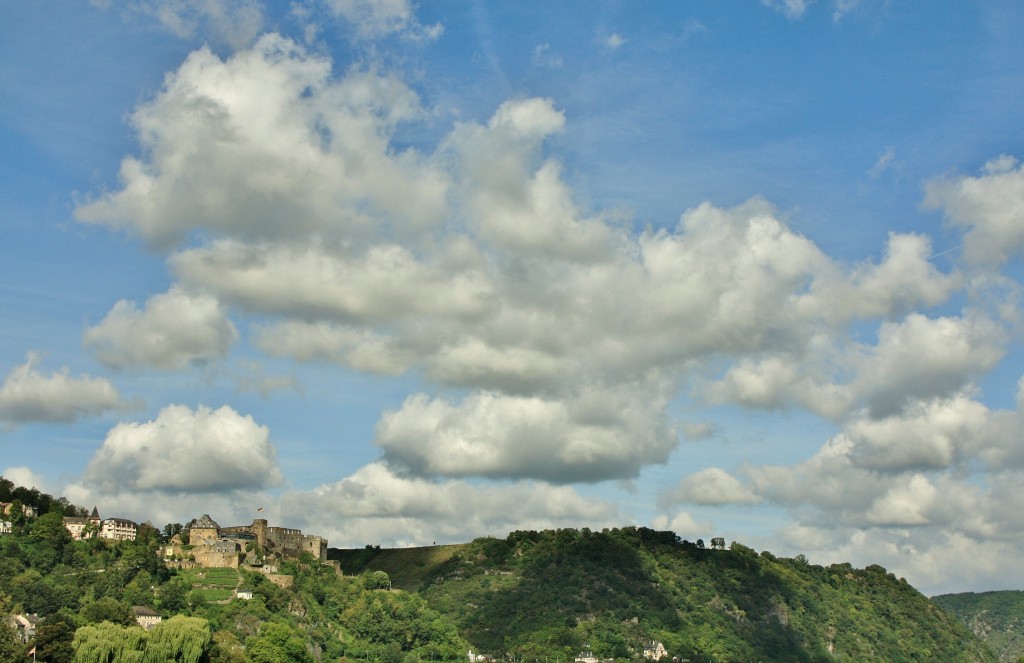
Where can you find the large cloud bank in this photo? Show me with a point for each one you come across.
(549, 339)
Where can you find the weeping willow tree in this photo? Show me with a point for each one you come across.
(180, 638)
(109, 643)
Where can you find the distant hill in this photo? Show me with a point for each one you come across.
(995, 617)
(550, 595)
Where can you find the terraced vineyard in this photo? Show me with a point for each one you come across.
(215, 584)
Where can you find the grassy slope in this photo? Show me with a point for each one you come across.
(215, 584)
(545, 594)
(407, 567)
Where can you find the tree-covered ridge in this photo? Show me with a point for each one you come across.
(33, 497)
(83, 592)
(995, 617)
(531, 596)
(547, 595)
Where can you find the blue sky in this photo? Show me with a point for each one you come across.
(405, 273)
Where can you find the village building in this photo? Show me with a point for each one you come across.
(115, 529)
(146, 617)
(118, 529)
(655, 651)
(24, 626)
(82, 527)
(6, 527)
(203, 530)
(7, 507)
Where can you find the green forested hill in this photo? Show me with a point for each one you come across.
(530, 597)
(81, 594)
(548, 595)
(995, 617)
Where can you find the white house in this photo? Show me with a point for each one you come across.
(24, 626)
(655, 651)
(119, 529)
(146, 617)
(83, 526)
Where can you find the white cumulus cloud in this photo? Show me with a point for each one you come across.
(174, 330)
(921, 357)
(592, 436)
(710, 486)
(183, 451)
(30, 396)
(548, 338)
(990, 207)
(376, 506)
(266, 144)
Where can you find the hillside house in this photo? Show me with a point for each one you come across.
(7, 507)
(6, 527)
(655, 651)
(116, 529)
(146, 617)
(24, 626)
(83, 526)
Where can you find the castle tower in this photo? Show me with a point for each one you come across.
(203, 530)
(259, 529)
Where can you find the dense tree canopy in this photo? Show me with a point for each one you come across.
(84, 591)
(530, 596)
(548, 594)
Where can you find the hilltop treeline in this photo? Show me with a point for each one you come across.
(550, 595)
(84, 591)
(529, 597)
(43, 503)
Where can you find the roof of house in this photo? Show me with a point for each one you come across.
(206, 522)
(121, 522)
(144, 611)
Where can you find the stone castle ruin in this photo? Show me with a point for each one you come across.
(256, 545)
